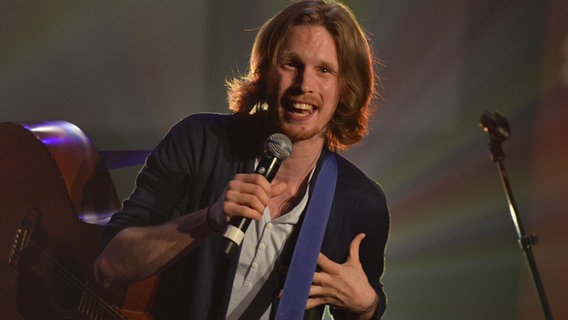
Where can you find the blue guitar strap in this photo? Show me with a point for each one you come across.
(304, 260)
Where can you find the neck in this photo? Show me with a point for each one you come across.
(294, 172)
(302, 160)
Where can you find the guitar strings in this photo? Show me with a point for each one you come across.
(90, 300)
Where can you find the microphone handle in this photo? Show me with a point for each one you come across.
(235, 233)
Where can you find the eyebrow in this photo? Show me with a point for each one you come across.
(286, 54)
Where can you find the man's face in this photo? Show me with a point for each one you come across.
(304, 85)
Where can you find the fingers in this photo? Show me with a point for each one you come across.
(322, 278)
(326, 264)
(354, 247)
(343, 285)
(330, 266)
(248, 194)
(320, 291)
(315, 301)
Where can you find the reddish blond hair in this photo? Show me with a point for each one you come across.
(349, 124)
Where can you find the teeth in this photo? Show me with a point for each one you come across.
(303, 106)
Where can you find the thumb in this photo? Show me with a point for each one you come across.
(354, 247)
(277, 189)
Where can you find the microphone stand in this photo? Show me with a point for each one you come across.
(498, 129)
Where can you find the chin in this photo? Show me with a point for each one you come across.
(300, 134)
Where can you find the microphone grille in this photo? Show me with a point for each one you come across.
(278, 145)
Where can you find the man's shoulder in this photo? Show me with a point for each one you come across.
(351, 177)
(204, 120)
(211, 133)
(348, 170)
(211, 125)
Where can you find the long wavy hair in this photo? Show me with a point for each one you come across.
(357, 84)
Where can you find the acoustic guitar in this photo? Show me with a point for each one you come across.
(55, 193)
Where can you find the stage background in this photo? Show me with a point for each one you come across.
(125, 71)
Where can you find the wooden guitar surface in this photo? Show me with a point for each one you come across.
(55, 192)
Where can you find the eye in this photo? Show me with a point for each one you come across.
(327, 71)
(289, 64)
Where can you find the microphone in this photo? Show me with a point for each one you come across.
(277, 147)
(496, 125)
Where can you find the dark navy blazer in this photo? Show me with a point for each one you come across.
(189, 170)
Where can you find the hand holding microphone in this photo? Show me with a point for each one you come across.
(277, 148)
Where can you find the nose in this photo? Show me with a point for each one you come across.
(306, 81)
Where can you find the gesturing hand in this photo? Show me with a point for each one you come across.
(343, 286)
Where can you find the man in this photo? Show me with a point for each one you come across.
(311, 77)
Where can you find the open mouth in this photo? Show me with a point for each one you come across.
(300, 109)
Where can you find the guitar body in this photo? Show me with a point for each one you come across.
(55, 193)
